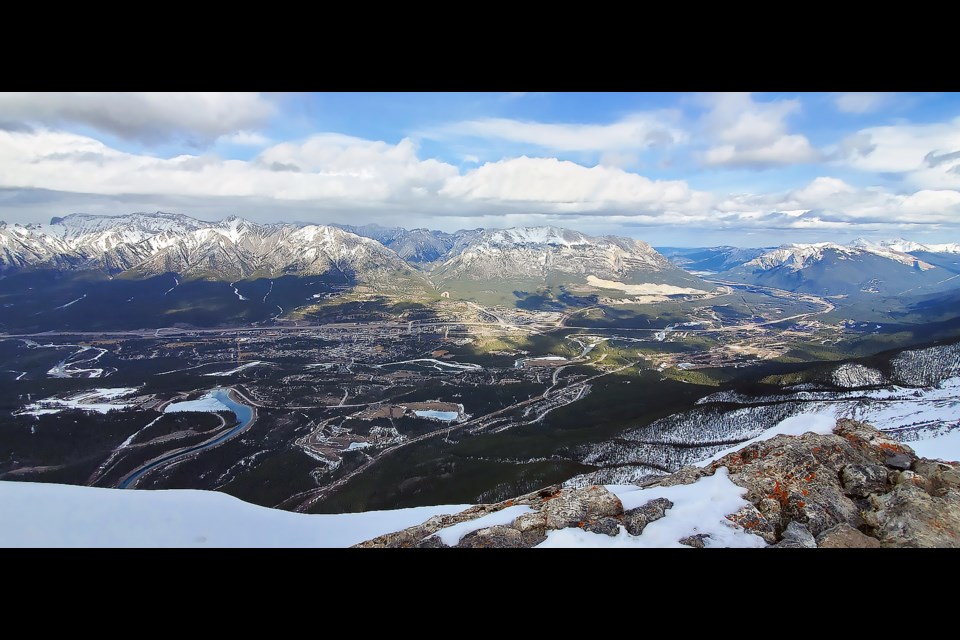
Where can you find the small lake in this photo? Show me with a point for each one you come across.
(445, 416)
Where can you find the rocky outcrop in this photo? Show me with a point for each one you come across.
(635, 520)
(853, 488)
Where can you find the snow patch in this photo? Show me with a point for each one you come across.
(93, 401)
(55, 515)
(205, 403)
(647, 288)
(698, 508)
(451, 535)
(945, 447)
(255, 363)
(444, 416)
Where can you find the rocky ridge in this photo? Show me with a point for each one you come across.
(851, 488)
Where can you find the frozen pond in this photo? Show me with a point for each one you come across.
(445, 416)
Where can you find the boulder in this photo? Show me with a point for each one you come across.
(861, 480)
(571, 507)
(843, 536)
(796, 536)
(606, 525)
(636, 519)
(697, 541)
(498, 537)
(910, 517)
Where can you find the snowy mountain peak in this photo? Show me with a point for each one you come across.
(538, 235)
(905, 246)
(800, 256)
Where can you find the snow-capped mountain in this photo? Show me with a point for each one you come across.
(800, 256)
(547, 255)
(908, 246)
(862, 267)
(152, 244)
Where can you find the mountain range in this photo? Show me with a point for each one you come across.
(860, 268)
(536, 267)
(388, 260)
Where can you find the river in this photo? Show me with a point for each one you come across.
(245, 415)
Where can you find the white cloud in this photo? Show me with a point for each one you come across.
(926, 154)
(558, 185)
(320, 168)
(753, 134)
(147, 117)
(332, 177)
(828, 202)
(638, 131)
(861, 101)
(245, 138)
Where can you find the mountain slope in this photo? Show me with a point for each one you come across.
(710, 259)
(511, 262)
(143, 245)
(826, 268)
(416, 246)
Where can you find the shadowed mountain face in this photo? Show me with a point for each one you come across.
(713, 259)
(416, 246)
(860, 269)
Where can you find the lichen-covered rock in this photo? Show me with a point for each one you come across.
(685, 475)
(498, 537)
(697, 541)
(606, 525)
(572, 507)
(852, 488)
(843, 536)
(534, 521)
(797, 478)
(910, 517)
(636, 519)
(863, 479)
(796, 536)
(751, 519)
(936, 478)
(431, 542)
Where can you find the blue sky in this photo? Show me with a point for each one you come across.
(685, 169)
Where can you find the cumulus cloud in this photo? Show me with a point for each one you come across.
(145, 117)
(559, 184)
(321, 167)
(831, 203)
(637, 131)
(928, 155)
(861, 101)
(753, 134)
(332, 177)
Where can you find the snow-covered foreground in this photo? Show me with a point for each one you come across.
(698, 508)
(57, 515)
